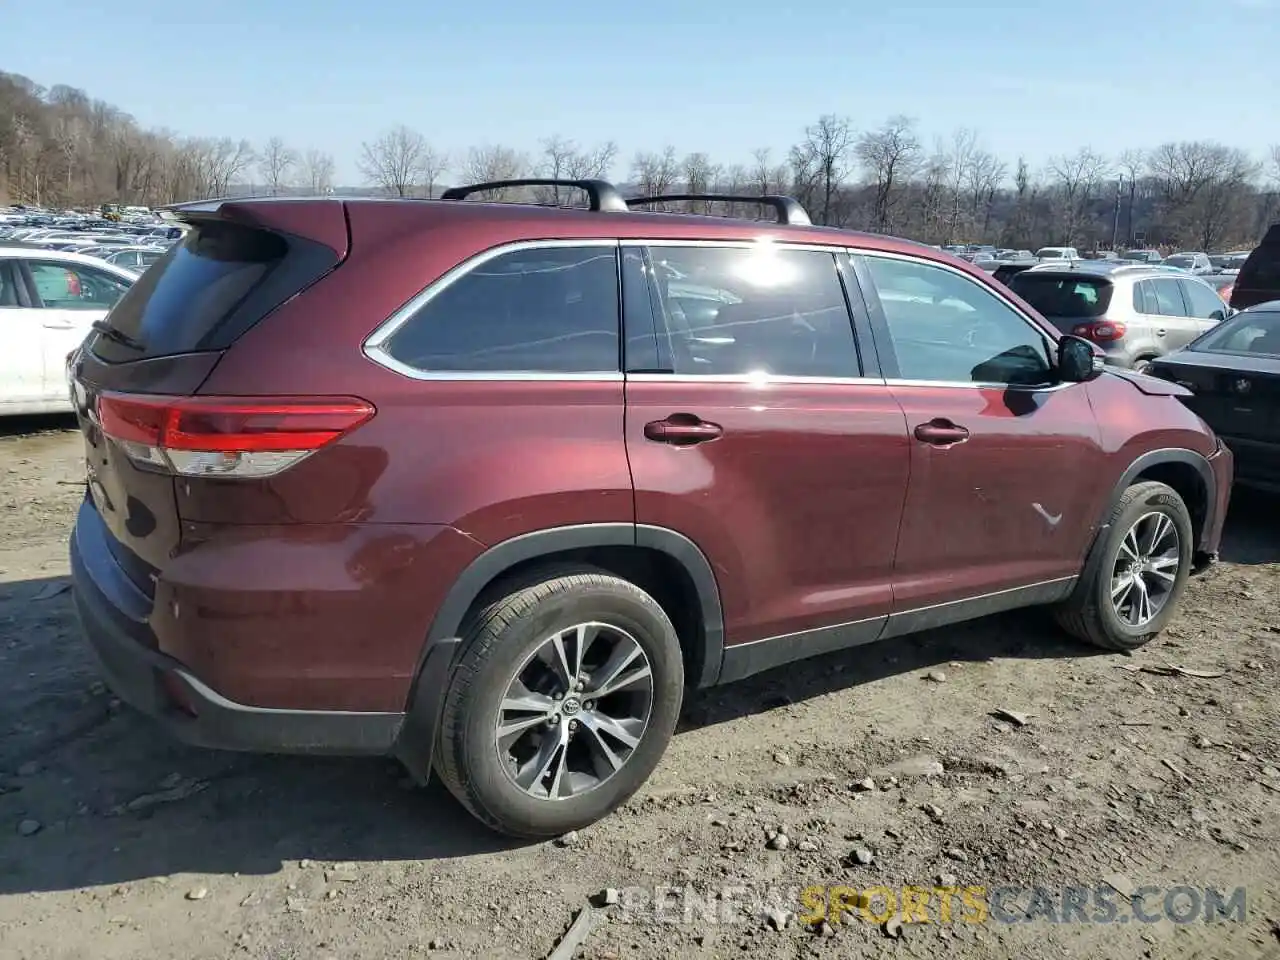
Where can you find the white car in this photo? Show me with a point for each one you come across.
(49, 301)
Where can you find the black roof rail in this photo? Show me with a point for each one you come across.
(603, 195)
(788, 208)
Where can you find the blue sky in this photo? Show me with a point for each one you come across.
(1034, 77)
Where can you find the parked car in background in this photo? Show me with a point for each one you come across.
(1233, 373)
(1222, 282)
(1142, 256)
(328, 507)
(1133, 313)
(1058, 253)
(135, 259)
(49, 301)
(1259, 278)
(1196, 263)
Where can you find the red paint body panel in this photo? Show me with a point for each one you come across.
(303, 616)
(796, 506)
(1005, 507)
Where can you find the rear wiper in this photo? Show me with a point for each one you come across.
(111, 333)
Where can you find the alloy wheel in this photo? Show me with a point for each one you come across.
(1146, 569)
(575, 711)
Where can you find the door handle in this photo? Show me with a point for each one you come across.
(58, 326)
(1161, 332)
(682, 430)
(941, 433)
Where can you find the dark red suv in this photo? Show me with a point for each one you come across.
(488, 486)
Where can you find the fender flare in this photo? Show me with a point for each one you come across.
(417, 738)
(1143, 463)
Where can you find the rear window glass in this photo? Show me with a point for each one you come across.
(1055, 296)
(193, 288)
(1257, 333)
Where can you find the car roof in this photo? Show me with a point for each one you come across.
(534, 221)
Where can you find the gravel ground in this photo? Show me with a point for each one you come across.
(994, 755)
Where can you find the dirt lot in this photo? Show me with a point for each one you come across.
(117, 843)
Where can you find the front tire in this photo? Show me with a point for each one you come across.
(1129, 593)
(563, 701)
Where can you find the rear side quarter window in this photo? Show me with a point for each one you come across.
(534, 310)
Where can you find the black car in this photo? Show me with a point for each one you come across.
(1234, 373)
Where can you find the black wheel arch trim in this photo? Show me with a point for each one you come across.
(1144, 462)
(416, 742)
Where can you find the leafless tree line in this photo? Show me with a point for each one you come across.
(58, 146)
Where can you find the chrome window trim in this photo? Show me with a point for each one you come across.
(765, 241)
(969, 385)
(374, 348)
(966, 384)
(763, 380)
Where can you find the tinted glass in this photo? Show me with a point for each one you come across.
(194, 287)
(946, 327)
(74, 287)
(733, 311)
(1168, 298)
(1244, 333)
(1202, 302)
(543, 310)
(1056, 296)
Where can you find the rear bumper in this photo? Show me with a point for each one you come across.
(114, 617)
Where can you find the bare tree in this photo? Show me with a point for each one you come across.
(1199, 183)
(317, 171)
(768, 178)
(699, 177)
(958, 157)
(563, 159)
(1076, 177)
(395, 161)
(1131, 165)
(820, 164)
(276, 163)
(983, 179)
(655, 174)
(889, 156)
(489, 163)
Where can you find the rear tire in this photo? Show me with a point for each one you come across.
(512, 708)
(1150, 539)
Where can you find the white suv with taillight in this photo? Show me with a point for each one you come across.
(49, 301)
(1134, 313)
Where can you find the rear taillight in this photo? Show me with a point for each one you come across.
(1099, 331)
(237, 437)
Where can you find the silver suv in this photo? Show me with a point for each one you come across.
(1134, 313)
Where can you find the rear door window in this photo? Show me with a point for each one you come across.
(733, 311)
(1168, 298)
(550, 310)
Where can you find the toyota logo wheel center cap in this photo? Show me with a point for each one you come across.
(570, 706)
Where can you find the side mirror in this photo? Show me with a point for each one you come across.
(1078, 360)
(1217, 316)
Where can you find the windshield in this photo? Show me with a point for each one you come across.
(1180, 261)
(1246, 333)
(1055, 253)
(1057, 296)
